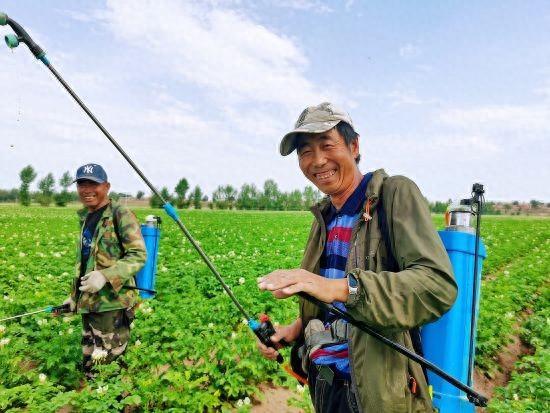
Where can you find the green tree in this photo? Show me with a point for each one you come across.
(535, 204)
(311, 196)
(181, 190)
(155, 201)
(46, 187)
(224, 197)
(27, 175)
(271, 196)
(9, 195)
(140, 194)
(294, 201)
(248, 197)
(196, 196)
(62, 198)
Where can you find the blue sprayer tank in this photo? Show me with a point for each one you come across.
(146, 277)
(447, 342)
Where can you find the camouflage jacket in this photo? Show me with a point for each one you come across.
(119, 267)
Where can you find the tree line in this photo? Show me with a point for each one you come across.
(249, 197)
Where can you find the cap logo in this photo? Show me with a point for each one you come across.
(89, 169)
(302, 118)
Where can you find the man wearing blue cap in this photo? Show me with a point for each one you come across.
(110, 252)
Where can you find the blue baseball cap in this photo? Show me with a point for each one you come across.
(92, 172)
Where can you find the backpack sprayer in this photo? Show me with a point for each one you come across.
(263, 328)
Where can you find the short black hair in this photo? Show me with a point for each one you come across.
(343, 128)
(348, 134)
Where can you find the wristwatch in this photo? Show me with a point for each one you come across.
(353, 287)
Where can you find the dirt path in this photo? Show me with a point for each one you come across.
(275, 400)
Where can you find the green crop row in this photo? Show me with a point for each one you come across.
(189, 349)
(514, 289)
(529, 386)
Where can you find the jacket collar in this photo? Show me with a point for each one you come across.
(372, 193)
(106, 214)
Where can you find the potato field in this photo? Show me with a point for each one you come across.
(190, 350)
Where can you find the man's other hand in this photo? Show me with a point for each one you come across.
(92, 282)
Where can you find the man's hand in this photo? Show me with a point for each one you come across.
(288, 333)
(92, 282)
(71, 303)
(284, 283)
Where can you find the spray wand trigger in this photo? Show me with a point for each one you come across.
(264, 330)
(58, 309)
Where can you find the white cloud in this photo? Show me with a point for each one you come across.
(310, 5)
(409, 50)
(400, 97)
(203, 46)
(531, 120)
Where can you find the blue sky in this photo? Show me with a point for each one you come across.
(445, 92)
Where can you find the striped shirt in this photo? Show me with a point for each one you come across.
(340, 224)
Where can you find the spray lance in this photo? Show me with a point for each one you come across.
(263, 328)
(52, 309)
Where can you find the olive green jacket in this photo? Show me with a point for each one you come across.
(391, 302)
(118, 266)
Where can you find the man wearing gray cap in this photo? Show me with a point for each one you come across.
(372, 251)
(110, 252)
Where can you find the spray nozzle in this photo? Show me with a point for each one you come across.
(12, 40)
(3, 19)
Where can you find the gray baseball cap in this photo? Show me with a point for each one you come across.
(314, 119)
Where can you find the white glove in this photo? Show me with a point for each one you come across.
(92, 282)
(72, 304)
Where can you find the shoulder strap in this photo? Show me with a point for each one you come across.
(394, 266)
(117, 229)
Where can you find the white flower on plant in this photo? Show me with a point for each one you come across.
(210, 325)
(21, 277)
(65, 273)
(137, 343)
(99, 355)
(516, 397)
(246, 400)
(132, 325)
(233, 335)
(22, 254)
(506, 272)
(6, 297)
(240, 403)
(231, 254)
(300, 388)
(66, 319)
(60, 332)
(42, 321)
(2, 329)
(102, 389)
(244, 321)
(4, 342)
(56, 255)
(241, 280)
(42, 378)
(70, 331)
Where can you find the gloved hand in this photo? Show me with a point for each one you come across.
(72, 304)
(92, 282)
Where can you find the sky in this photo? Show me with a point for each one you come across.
(447, 93)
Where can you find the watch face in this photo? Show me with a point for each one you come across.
(352, 281)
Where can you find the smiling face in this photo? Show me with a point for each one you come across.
(93, 195)
(329, 163)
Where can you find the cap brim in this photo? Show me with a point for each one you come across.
(89, 178)
(288, 143)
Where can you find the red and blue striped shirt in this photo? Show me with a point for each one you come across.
(339, 224)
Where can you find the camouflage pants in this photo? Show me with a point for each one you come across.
(104, 337)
